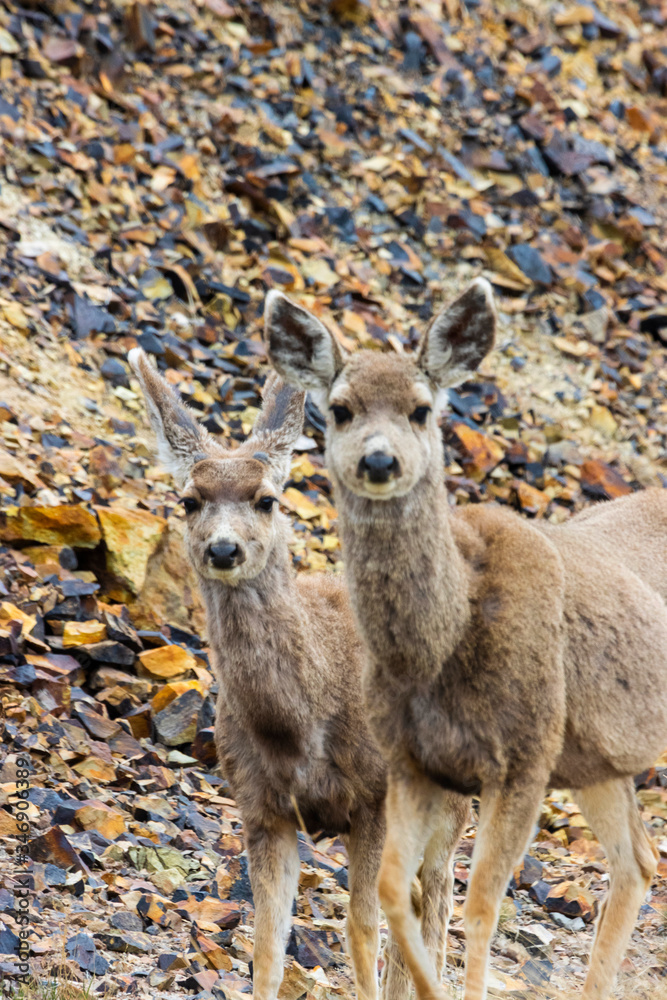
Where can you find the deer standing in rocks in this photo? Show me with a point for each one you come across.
(291, 732)
(504, 656)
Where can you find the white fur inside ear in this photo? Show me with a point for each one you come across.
(273, 298)
(320, 397)
(134, 358)
(176, 464)
(441, 402)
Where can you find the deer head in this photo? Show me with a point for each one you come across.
(381, 408)
(230, 496)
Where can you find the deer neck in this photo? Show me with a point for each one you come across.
(253, 626)
(259, 643)
(408, 580)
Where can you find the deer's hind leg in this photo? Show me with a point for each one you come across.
(396, 983)
(611, 809)
(437, 879)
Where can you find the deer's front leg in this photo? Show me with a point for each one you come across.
(274, 874)
(415, 810)
(364, 845)
(506, 822)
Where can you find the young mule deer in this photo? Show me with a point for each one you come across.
(291, 731)
(505, 655)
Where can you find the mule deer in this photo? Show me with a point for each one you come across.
(290, 730)
(504, 656)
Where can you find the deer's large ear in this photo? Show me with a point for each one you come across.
(460, 336)
(181, 440)
(301, 349)
(278, 426)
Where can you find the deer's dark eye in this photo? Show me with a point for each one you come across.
(341, 414)
(190, 505)
(420, 415)
(265, 504)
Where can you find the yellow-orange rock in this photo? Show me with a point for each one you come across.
(579, 14)
(223, 912)
(212, 953)
(8, 825)
(96, 769)
(169, 692)
(170, 592)
(479, 452)
(300, 504)
(602, 420)
(45, 559)
(63, 525)
(98, 816)
(80, 633)
(602, 480)
(531, 500)
(10, 613)
(167, 661)
(131, 537)
(140, 722)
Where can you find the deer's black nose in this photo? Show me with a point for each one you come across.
(225, 555)
(378, 466)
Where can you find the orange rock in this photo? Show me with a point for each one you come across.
(46, 559)
(8, 825)
(637, 119)
(157, 911)
(602, 480)
(479, 453)
(63, 525)
(167, 661)
(224, 912)
(10, 613)
(212, 953)
(96, 769)
(573, 900)
(80, 633)
(95, 815)
(53, 847)
(579, 14)
(140, 721)
(131, 538)
(171, 691)
(531, 500)
(170, 592)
